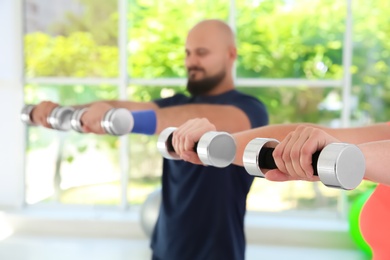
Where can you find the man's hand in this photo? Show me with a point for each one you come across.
(41, 112)
(92, 118)
(293, 156)
(185, 137)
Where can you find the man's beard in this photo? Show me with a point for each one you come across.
(205, 85)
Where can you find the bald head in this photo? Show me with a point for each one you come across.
(215, 30)
(210, 55)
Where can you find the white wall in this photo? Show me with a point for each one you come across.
(12, 132)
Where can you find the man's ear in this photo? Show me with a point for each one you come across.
(233, 53)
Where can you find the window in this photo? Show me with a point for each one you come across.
(68, 167)
(291, 56)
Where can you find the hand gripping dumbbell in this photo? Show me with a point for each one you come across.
(117, 121)
(338, 165)
(59, 117)
(216, 149)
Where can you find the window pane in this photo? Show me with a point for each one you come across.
(145, 167)
(158, 32)
(145, 162)
(71, 38)
(273, 197)
(371, 60)
(290, 39)
(69, 167)
(300, 104)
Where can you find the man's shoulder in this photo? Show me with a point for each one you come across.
(245, 98)
(176, 99)
(253, 107)
(243, 94)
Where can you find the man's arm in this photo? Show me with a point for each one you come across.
(222, 116)
(41, 111)
(377, 156)
(130, 105)
(364, 134)
(225, 117)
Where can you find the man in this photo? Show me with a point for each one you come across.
(203, 208)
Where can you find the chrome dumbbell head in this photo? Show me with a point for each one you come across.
(25, 115)
(217, 149)
(341, 165)
(164, 144)
(118, 121)
(59, 118)
(75, 120)
(252, 152)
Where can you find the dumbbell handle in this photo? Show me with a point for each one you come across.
(170, 147)
(213, 148)
(266, 159)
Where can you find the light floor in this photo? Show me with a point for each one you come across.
(28, 247)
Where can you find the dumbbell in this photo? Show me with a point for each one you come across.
(117, 121)
(338, 165)
(214, 148)
(59, 117)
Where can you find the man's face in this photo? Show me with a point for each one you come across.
(200, 85)
(206, 65)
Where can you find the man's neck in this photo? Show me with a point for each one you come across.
(224, 86)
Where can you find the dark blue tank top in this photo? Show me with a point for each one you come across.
(203, 207)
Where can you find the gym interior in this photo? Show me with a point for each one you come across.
(65, 195)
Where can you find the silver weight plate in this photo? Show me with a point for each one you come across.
(252, 150)
(25, 115)
(216, 149)
(75, 120)
(341, 165)
(118, 121)
(163, 146)
(59, 118)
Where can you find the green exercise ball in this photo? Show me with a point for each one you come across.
(353, 218)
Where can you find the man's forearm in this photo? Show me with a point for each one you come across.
(377, 161)
(130, 105)
(356, 135)
(224, 117)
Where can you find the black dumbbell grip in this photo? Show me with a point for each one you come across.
(266, 160)
(170, 146)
